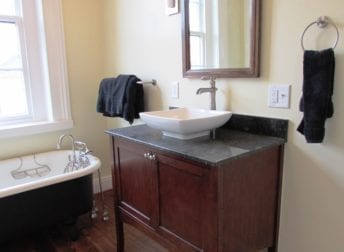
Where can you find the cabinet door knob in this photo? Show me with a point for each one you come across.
(152, 157)
(149, 156)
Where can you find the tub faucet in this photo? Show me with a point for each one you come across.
(83, 150)
(82, 147)
(212, 90)
(58, 146)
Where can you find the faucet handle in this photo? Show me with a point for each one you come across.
(211, 78)
(81, 146)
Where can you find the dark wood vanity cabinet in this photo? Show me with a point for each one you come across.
(191, 206)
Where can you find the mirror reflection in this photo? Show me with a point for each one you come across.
(219, 33)
(220, 38)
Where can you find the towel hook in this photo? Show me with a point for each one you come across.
(321, 22)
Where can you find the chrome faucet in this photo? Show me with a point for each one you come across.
(212, 90)
(73, 147)
(83, 151)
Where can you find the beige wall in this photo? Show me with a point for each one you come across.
(140, 39)
(84, 32)
(107, 37)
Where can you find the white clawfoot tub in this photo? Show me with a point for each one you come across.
(56, 160)
(37, 191)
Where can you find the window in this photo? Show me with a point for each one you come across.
(33, 84)
(197, 33)
(13, 92)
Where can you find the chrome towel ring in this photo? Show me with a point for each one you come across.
(321, 22)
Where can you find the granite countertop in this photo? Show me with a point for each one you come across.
(229, 144)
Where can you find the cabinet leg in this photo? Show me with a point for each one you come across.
(119, 231)
(272, 249)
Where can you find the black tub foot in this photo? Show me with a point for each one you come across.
(71, 229)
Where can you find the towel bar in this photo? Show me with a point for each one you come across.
(153, 82)
(321, 22)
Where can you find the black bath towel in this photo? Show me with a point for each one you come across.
(316, 103)
(121, 97)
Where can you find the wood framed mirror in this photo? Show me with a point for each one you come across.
(220, 38)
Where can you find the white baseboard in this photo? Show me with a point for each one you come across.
(106, 184)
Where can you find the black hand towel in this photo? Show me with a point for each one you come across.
(316, 103)
(121, 97)
(134, 103)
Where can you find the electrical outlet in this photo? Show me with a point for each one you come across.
(278, 96)
(174, 90)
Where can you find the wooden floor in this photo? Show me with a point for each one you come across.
(95, 235)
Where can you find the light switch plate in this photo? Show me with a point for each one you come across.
(171, 7)
(279, 96)
(174, 90)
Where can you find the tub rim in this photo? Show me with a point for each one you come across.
(46, 181)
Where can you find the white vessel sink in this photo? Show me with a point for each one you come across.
(185, 123)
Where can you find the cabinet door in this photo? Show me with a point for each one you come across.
(180, 201)
(136, 182)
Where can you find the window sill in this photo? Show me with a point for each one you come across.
(34, 128)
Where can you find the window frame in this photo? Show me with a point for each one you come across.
(53, 57)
